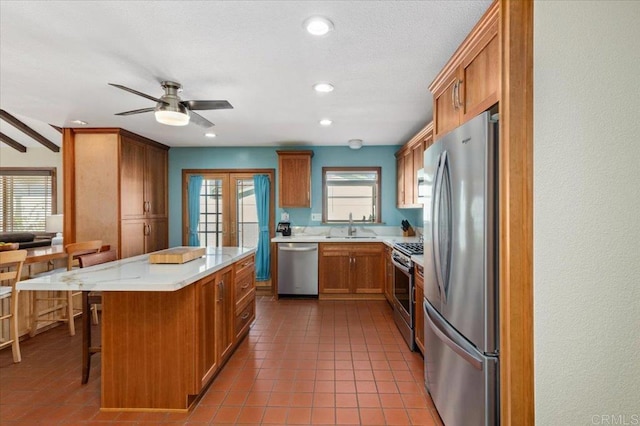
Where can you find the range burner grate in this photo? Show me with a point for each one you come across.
(410, 248)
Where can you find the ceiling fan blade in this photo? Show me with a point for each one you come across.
(135, 92)
(136, 111)
(200, 120)
(198, 105)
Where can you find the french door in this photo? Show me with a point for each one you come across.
(228, 214)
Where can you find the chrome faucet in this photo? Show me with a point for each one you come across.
(351, 230)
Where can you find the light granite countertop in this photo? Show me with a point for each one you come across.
(388, 240)
(137, 274)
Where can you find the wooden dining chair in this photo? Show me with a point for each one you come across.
(10, 272)
(90, 300)
(63, 301)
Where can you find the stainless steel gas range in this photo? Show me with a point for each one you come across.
(403, 291)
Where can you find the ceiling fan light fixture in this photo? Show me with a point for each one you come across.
(172, 115)
(318, 25)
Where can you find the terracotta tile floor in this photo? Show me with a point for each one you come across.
(304, 362)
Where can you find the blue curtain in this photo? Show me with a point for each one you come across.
(193, 204)
(263, 255)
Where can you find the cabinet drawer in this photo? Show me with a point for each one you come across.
(244, 265)
(244, 318)
(244, 286)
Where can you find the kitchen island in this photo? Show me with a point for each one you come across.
(167, 329)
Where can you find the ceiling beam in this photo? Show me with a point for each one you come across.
(12, 143)
(28, 131)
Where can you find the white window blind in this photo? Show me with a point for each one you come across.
(27, 197)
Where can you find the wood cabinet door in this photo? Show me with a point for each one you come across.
(409, 179)
(207, 359)
(418, 158)
(294, 171)
(132, 237)
(418, 309)
(334, 269)
(480, 72)
(446, 116)
(400, 180)
(132, 160)
(157, 235)
(155, 182)
(368, 271)
(224, 312)
(388, 281)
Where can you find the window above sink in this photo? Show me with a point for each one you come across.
(351, 190)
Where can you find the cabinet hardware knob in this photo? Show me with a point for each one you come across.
(245, 316)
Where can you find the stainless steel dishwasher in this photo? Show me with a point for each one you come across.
(298, 269)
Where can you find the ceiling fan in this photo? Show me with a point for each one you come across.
(173, 111)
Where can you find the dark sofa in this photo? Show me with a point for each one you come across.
(25, 239)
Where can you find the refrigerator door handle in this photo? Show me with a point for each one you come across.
(461, 347)
(435, 228)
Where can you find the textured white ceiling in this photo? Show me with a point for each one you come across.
(56, 59)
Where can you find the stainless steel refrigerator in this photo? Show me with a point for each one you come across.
(460, 274)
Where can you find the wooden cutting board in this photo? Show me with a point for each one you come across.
(177, 255)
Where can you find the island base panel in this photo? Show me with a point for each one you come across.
(148, 341)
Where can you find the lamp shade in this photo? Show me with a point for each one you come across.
(173, 114)
(53, 223)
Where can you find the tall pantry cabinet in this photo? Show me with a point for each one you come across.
(115, 190)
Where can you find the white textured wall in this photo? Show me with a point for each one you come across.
(35, 157)
(587, 212)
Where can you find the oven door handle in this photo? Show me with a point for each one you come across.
(401, 266)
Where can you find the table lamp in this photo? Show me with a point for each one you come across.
(54, 223)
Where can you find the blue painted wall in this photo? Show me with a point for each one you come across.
(266, 158)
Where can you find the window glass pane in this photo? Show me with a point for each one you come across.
(247, 213)
(210, 227)
(351, 191)
(26, 199)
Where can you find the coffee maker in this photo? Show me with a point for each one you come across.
(285, 228)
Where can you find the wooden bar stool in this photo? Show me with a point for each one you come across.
(90, 300)
(10, 269)
(63, 301)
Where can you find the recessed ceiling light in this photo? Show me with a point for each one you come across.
(325, 122)
(318, 25)
(323, 87)
(210, 135)
(79, 122)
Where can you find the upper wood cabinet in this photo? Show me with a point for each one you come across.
(470, 82)
(294, 178)
(115, 190)
(409, 159)
(143, 171)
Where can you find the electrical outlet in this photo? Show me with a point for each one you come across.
(316, 217)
